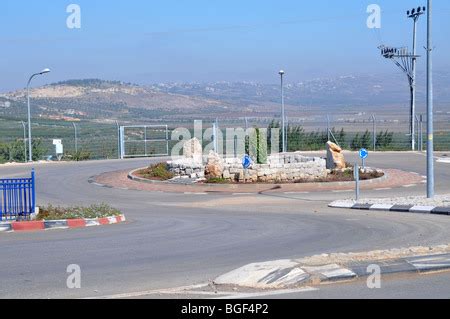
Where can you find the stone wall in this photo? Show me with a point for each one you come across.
(187, 168)
(288, 167)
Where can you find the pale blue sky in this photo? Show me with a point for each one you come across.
(149, 41)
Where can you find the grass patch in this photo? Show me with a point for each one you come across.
(76, 212)
(158, 172)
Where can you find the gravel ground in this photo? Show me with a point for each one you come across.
(438, 201)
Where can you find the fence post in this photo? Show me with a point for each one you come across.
(374, 132)
(33, 192)
(328, 127)
(76, 137)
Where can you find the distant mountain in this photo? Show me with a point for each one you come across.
(108, 100)
(98, 99)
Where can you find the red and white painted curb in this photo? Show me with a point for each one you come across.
(59, 224)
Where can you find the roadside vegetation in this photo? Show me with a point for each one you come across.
(15, 151)
(159, 172)
(76, 212)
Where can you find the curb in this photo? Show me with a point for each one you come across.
(433, 210)
(59, 224)
(287, 273)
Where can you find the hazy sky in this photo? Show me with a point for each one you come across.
(149, 41)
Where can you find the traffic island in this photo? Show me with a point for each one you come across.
(66, 218)
(440, 205)
(328, 268)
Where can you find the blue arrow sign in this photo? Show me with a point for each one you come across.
(246, 162)
(363, 153)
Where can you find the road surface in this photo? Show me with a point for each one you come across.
(174, 240)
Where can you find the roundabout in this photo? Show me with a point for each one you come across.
(184, 235)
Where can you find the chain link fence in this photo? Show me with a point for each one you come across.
(90, 140)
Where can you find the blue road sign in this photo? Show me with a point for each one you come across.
(363, 153)
(246, 162)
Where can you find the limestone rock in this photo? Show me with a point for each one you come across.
(335, 158)
(193, 149)
(215, 166)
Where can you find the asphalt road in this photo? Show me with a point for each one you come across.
(176, 239)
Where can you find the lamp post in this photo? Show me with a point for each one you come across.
(30, 149)
(283, 116)
(430, 128)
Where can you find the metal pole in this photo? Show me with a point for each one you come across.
(30, 149)
(76, 137)
(283, 116)
(118, 140)
(328, 127)
(374, 133)
(145, 140)
(24, 141)
(287, 134)
(421, 132)
(430, 128)
(413, 86)
(356, 174)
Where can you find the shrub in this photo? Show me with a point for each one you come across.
(158, 171)
(94, 211)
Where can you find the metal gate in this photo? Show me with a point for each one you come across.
(17, 198)
(144, 141)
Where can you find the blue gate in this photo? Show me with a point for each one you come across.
(17, 198)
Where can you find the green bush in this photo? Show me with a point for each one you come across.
(15, 151)
(159, 171)
(78, 156)
(76, 212)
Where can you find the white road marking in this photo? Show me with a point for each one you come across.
(152, 292)
(409, 186)
(383, 189)
(243, 194)
(342, 191)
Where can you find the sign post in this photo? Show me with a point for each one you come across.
(356, 175)
(246, 163)
(363, 154)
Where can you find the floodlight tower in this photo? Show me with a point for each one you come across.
(407, 61)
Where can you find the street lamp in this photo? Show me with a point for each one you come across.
(430, 125)
(283, 116)
(30, 149)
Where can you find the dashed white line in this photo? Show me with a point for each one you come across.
(342, 191)
(383, 189)
(409, 186)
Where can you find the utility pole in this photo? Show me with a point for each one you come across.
(414, 14)
(430, 128)
(407, 61)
